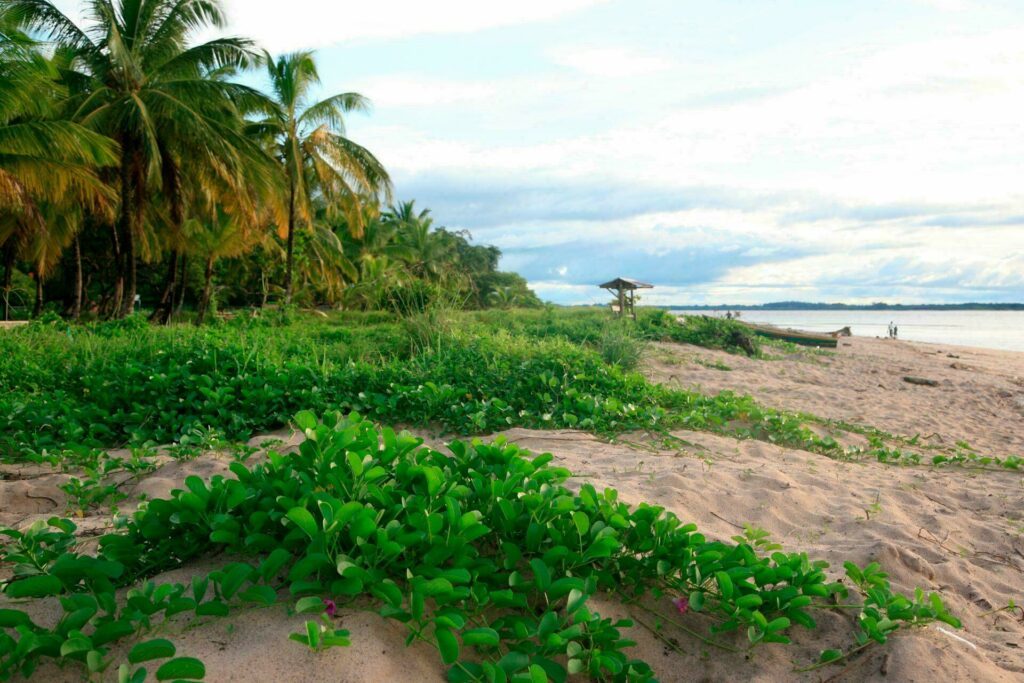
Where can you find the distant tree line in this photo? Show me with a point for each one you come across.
(808, 306)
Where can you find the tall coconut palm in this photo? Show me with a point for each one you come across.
(149, 89)
(317, 159)
(45, 162)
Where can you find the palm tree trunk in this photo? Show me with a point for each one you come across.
(181, 285)
(131, 286)
(37, 309)
(204, 300)
(163, 311)
(291, 246)
(76, 307)
(8, 274)
(118, 293)
(131, 219)
(122, 230)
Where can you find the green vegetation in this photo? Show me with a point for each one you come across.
(486, 555)
(585, 325)
(129, 383)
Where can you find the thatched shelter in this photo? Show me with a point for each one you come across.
(624, 289)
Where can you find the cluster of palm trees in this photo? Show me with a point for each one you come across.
(125, 137)
(399, 254)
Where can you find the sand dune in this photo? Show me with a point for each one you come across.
(951, 530)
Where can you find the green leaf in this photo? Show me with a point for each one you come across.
(313, 634)
(9, 618)
(388, 592)
(304, 520)
(749, 601)
(212, 608)
(576, 600)
(158, 648)
(434, 479)
(829, 656)
(513, 662)
(182, 667)
(273, 563)
(264, 595)
(310, 604)
(541, 574)
(537, 674)
(34, 587)
(724, 584)
(73, 646)
(447, 643)
(581, 521)
(305, 420)
(481, 636)
(234, 576)
(94, 661)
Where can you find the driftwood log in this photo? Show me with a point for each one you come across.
(921, 381)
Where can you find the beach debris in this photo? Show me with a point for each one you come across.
(954, 636)
(960, 366)
(921, 381)
(844, 332)
(951, 355)
(737, 338)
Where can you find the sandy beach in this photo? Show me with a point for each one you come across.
(954, 530)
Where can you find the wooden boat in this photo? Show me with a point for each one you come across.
(794, 336)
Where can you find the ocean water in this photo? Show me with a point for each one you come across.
(985, 329)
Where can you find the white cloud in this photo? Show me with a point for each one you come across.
(302, 24)
(947, 5)
(409, 91)
(319, 23)
(611, 62)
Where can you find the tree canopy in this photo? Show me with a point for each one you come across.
(136, 164)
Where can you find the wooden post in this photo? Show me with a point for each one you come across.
(622, 301)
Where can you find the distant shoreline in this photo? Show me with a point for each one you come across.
(801, 306)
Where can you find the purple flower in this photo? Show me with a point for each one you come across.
(330, 607)
(682, 604)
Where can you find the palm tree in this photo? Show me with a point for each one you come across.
(424, 251)
(148, 89)
(222, 235)
(317, 159)
(45, 162)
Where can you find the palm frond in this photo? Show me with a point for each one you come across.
(330, 112)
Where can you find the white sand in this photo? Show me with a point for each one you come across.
(951, 530)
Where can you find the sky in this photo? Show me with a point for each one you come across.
(736, 151)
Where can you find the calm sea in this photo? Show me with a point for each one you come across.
(987, 329)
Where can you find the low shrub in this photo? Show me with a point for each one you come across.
(699, 330)
(620, 345)
(486, 555)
